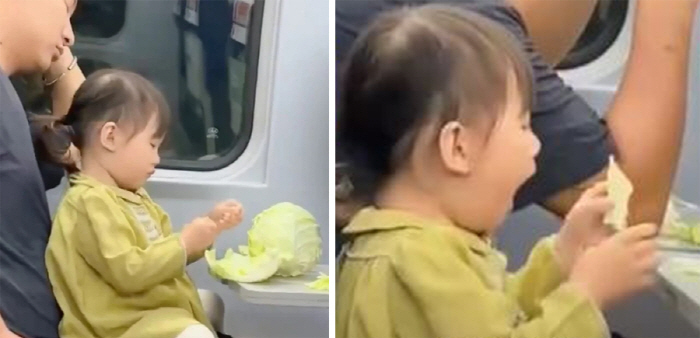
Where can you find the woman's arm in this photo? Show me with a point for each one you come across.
(647, 117)
(64, 89)
(62, 93)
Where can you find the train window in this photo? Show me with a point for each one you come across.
(600, 33)
(99, 18)
(203, 55)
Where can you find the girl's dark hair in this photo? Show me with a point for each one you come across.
(418, 66)
(107, 95)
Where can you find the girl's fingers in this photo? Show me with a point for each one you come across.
(597, 190)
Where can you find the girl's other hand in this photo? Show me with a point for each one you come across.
(619, 266)
(583, 226)
(227, 214)
(199, 235)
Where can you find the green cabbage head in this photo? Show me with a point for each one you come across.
(291, 233)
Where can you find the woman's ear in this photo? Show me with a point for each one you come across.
(108, 136)
(456, 144)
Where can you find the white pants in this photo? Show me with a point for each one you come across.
(196, 331)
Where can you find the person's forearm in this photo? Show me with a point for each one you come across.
(63, 90)
(647, 116)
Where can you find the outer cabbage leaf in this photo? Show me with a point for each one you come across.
(242, 268)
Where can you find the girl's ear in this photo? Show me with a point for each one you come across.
(108, 136)
(457, 145)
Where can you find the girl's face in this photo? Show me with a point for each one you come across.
(484, 169)
(134, 157)
(507, 159)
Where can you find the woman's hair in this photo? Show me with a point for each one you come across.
(416, 67)
(108, 95)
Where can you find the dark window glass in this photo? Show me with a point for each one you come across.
(600, 33)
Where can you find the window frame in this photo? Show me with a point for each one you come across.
(252, 56)
(250, 168)
(602, 42)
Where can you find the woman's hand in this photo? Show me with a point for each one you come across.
(72, 157)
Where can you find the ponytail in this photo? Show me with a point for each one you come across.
(53, 138)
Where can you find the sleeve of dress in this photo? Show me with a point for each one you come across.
(107, 242)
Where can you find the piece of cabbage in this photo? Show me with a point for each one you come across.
(682, 221)
(685, 266)
(242, 268)
(320, 284)
(292, 232)
(619, 190)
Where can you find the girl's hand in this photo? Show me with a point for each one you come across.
(199, 235)
(583, 226)
(619, 266)
(227, 214)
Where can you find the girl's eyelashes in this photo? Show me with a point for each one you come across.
(155, 142)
